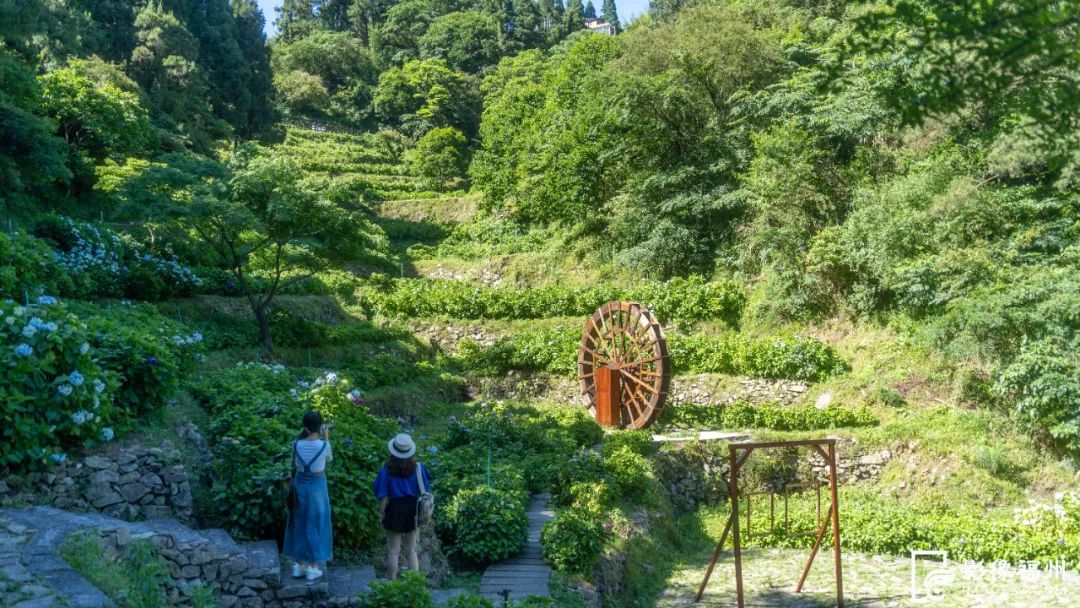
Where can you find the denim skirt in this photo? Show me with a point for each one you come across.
(308, 534)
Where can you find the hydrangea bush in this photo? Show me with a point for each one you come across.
(256, 412)
(55, 392)
(102, 263)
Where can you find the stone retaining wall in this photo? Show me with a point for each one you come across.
(130, 483)
(851, 469)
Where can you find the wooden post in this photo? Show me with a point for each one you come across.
(835, 524)
(608, 401)
(733, 497)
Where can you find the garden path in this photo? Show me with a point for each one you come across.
(526, 573)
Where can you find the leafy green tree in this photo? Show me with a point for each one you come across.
(611, 15)
(95, 115)
(551, 12)
(261, 218)
(342, 64)
(33, 161)
(395, 41)
(590, 10)
(441, 156)
(467, 41)
(424, 94)
(525, 27)
(112, 36)
(302, 94)
(1014, 60)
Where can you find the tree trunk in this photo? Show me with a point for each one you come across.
(264, 328)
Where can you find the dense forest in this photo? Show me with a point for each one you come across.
(882, 195)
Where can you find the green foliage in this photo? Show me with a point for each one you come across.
(1040, 533)
(572, 541)
(98, 109)
(777, 417)
(628, 472)
(469, 600)
(327, 74)
(137, 580)
(151, 354)
(440, 156)
(465, 40)
(680, 299)
(554, 349)
(1044, 383)
(57, 391)
(29, 266)
(96, 261)
(422, 95)
(637, 441)
(256, 410)
(489, 525)
(407, 591)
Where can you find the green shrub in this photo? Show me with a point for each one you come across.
(56, 390)
(469, 600)
(408, 591)
(688, 300)
(489, 524)
(594, 497)
(628, 472)
(741, 415)
(1044, 383)
(102, 263)
(441, 155)
(28, 268)
(584, 466)
(572, 541)
(554, 349)
(256, 411)
(138, 580)
(1040, 533)
(637, 441)
(150, 353)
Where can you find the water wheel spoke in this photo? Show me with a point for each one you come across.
(639, 381)
(597, 357)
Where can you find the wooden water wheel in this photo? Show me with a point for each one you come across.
(623, 365)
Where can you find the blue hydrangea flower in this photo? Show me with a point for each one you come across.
(65, 389)
(46, 300)
(29, 331)
(432, 450)
(51, 326)
(331, 377)
(36, 323)
(75, 378)
(85, 348)
(81, 417)
(58, 458)
(107, 433)
(98, 386)
(196, 337)
(24, 350)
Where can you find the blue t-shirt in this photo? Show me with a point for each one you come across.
(392, 486)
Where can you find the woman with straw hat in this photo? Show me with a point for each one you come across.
(397, 488)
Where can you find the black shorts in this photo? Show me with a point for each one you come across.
(400, 515)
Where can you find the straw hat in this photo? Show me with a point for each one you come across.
(402, 446)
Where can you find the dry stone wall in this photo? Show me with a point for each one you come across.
(130, 483)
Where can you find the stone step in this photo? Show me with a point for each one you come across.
(221, 539)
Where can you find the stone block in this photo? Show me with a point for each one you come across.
(132, 492)
(97, 462)
(105, 498)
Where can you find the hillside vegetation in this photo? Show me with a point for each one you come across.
(401, 214)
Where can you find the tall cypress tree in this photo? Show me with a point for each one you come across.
(573, 18)
(590, 10)
(611, 15)
(260, 89)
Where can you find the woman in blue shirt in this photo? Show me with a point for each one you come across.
(397, 489)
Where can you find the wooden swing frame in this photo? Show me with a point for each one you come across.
(737, 454)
